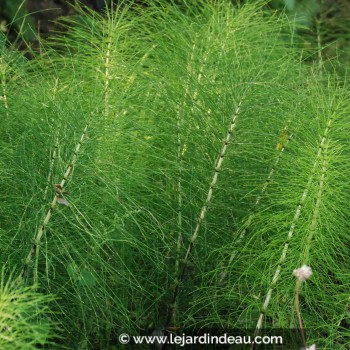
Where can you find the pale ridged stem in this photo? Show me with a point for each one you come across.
(292, 228)
(316, 212)
(319, 47)
(52, 162)
(47, 218)
(107, 76)
(181, 149)
(204, 209)
(199, 79)
(3, 84)
(3, 96)
(297, 308)
(215, 177)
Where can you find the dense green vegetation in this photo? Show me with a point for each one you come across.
(172, 166)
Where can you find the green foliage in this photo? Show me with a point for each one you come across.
(24, 316)
(19, 18)
(147, 143)
(303, 11)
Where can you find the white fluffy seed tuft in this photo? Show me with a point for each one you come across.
(311, 347)
(302, 274)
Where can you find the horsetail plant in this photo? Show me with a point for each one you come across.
(56, 198)
(203, 211)
(292, 227)
(280, 147)
(181, 149)
(52, 162)
(20, 308)
(302, 274)
(143, 232)
(3, 85)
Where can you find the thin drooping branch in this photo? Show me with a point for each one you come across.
(47, 218)
(292, 228)
(202, 213)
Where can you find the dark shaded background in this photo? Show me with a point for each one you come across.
(45, 11)
(39, 14)
(326, 19)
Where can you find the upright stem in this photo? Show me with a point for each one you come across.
(291, 229)
(319, 47)
(181, 149)
(107, 75)
(3, 85)
(319, 40)
(297, 308)
(50, 175)
(316, 212)
(203, 212)
(47, 218)
(3, 96)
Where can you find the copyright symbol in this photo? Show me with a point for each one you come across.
(124, 338)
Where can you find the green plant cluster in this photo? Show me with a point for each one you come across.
(172, 166)
(14, 15)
